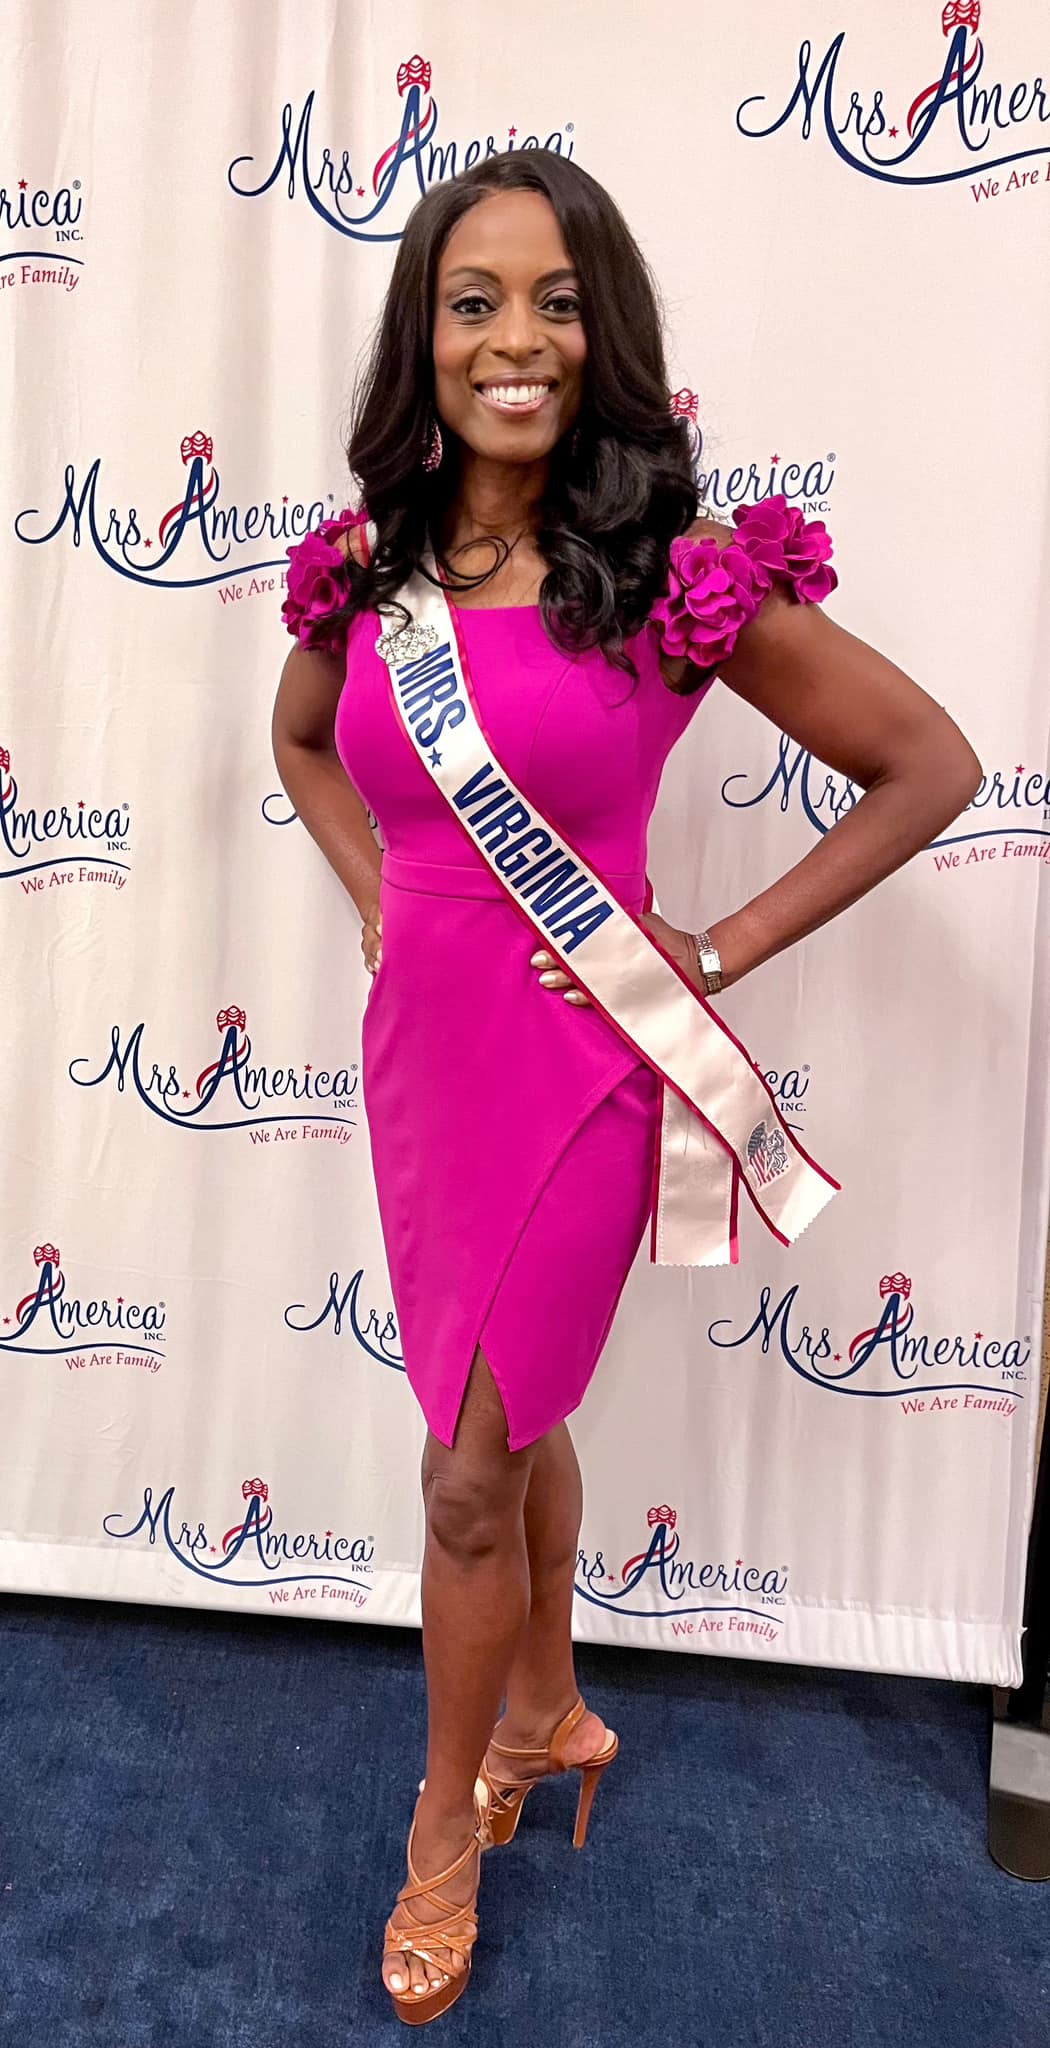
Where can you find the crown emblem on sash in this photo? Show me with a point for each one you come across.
(407, 643)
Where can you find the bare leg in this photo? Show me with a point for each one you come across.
(475, 1604)
(542, 1684)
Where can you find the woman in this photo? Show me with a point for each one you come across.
(514, 431)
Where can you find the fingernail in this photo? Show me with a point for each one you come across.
(549, 980)
(540, 960)
(398, 1983)
(574, 995)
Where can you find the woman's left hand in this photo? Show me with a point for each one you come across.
(680, 945)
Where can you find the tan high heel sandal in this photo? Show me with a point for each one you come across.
(507, 1800)
(457, 1931)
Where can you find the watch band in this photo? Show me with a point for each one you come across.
(709, 962)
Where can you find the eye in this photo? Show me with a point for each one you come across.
(564, 305)
(471, 304)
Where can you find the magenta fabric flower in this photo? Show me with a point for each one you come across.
(712, 593)
(318, 584)
(787, 544)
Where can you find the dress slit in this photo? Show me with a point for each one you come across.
(561, 1239)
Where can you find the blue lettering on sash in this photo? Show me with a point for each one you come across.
(563, 901)
(506, 819)
(430, 684)
(515, 856)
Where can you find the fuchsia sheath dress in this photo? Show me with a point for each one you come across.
(512, 1133)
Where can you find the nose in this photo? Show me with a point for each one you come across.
(517, 333)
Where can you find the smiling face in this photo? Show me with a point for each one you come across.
(509, 345)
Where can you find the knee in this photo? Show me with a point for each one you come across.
(471, 1518)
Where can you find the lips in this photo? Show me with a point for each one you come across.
(525, 397)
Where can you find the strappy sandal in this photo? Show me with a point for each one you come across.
(456, 1931)
(507, 1800)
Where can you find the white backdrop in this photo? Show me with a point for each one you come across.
(825, 1455)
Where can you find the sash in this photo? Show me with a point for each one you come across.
(720, 1127)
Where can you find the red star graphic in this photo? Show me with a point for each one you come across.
(512, 131)
(978, 1334)
(21, 184)
(1019, 768)
(327, 1532)
(149, 543)
(120, 1299)
(611, 1576)
(893, 132)
(6, 1321)
(360, 191)
(80, 805)
(740, 1560)
(185, 1093)
(307, 1069)
(213, 1549)
(284, 500)
(837, 1360)
(774, 458)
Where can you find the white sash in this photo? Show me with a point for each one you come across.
(719, 1124)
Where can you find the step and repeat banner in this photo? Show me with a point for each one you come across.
(825, 1455)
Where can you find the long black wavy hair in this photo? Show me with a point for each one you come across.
(621, 485)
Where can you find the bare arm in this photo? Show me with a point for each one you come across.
(863, 717)
(316, 781)
(860, 715)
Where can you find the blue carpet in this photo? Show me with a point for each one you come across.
(203, 1819)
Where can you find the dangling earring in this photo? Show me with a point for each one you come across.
(433, 447)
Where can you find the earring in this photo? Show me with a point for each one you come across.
(434, 447)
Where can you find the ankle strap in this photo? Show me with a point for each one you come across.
(554, 1749)
(556, 1746)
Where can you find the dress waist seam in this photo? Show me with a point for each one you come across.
(454, 878)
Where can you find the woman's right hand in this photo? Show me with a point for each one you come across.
(372, 940)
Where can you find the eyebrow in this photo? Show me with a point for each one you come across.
(476, 270)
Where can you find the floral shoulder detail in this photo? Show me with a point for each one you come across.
(318, 584)
(713, 592)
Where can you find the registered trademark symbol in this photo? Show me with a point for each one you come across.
(76, 184)
(832, 458)
(805, 1069)
(570, 127)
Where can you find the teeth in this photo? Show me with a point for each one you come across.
(515, 394)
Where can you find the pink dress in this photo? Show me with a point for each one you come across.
(512, 1133)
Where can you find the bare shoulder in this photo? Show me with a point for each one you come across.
(711, 529)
